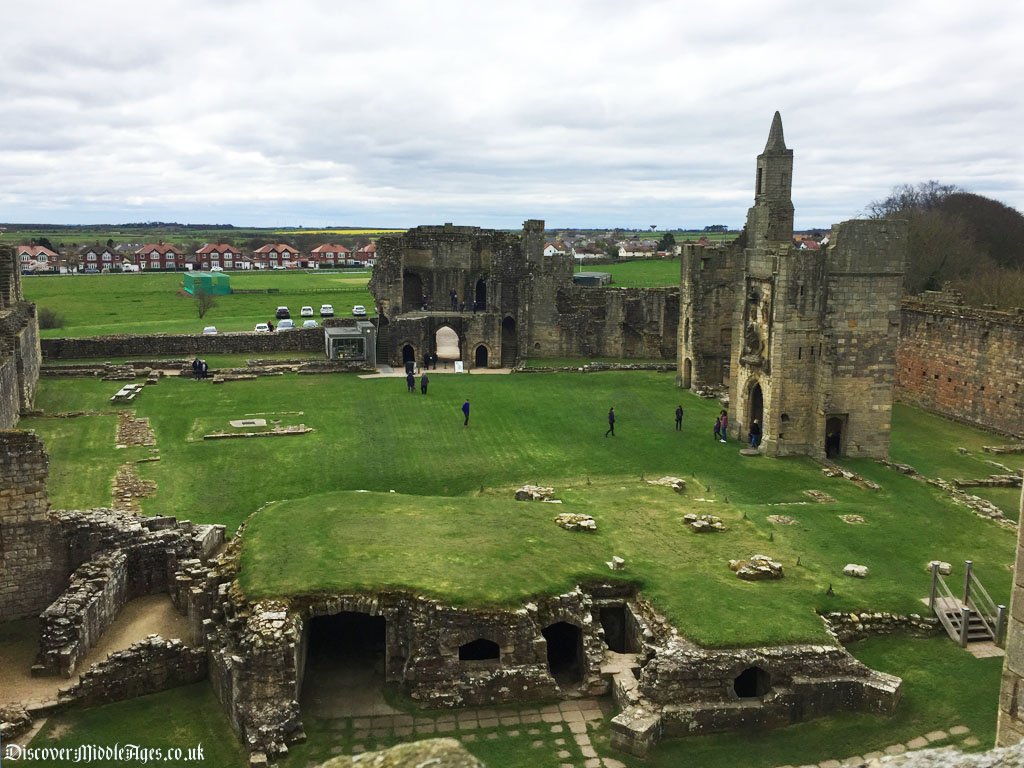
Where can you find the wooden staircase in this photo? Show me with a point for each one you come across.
(974, 618)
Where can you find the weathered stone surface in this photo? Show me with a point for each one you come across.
(850, 627)
(855, 571)
(757, 568)
(944, 568)
(430, 753)
(781, 519)
(14, 721)
(534, 493)
(677, 484)
(853, 519)
(703, 523)
(573, 521)
(820, 496)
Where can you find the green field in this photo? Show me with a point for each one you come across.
(393, 485)
(97, 305)
(653, 273)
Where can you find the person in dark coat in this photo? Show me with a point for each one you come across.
(410, 381)
(679, 418)
(465, 412)
(195, 368)
(611, 422)
(755, 434)
(204, 370)
(423, 383)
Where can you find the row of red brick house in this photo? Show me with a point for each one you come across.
(217, 256)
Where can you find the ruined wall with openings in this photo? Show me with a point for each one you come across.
(1010, 723)
(708, 299)
(962, 362)
(19, 343)
(33, 560)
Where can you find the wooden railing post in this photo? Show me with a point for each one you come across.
(965, 619)
(1000, 624)
(935, 587)
(968, 574)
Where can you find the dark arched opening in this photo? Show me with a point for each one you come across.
(480, 358)
(834, 427)
(755, 410)
(346, 656)
(565, 652)
(412, 292)
(408, 354)
(479, 650)
(480, 296)
(509, 343)
(752, 683)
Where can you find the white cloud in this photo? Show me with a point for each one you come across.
(582, 113)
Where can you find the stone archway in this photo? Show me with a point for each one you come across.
(446, 342)
(346, 662)
(480, 358)
(751, 683)
(565, 652)
(408, 354)
(755, 406)
(480, 296)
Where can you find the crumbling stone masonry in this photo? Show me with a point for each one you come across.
(1010, 728)
(806, 340)
(19, 343)
(510, 301)
(33, 559)
(962, 362)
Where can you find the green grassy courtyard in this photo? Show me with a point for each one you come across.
(395, 488)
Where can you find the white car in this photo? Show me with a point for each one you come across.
(210, 330)
(326, 310)
(216, 268)
(309, 324)
(286, 325)
(262, 328)
(359, 310)
(306, 312)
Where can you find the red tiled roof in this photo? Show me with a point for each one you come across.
(161, 248)
(35, 250)
(329, 248)
(279, 247)
(219, 247)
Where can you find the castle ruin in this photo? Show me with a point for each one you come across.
(805, 340)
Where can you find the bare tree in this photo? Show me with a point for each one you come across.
(204, 302)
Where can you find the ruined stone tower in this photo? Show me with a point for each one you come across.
(804, 339)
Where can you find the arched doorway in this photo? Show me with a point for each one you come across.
(752, 683)
(412, 292)
(446, 341)
(480, 359)
(509, 343)
(408, 355)
(755, 406)
(346, 659)
(480, 296)
(565, 652)
(687, 373)
(834, 428)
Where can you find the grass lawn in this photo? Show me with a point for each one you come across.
(182, 718)
(96, 305)
(653, 273)
(451, 529)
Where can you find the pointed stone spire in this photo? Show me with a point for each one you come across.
(776, 141)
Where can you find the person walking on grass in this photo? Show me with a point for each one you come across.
(465, 412)
(725, 427)
(423, 382)
(679, 418)
(755, 434)
(611, 422)
(410, 382)
(718, 428)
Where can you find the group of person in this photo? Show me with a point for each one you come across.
(721, 426)
(200, 370)
(410, 382)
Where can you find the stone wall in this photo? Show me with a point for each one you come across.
(1010, 727)
(75, 621)
(33, 560)
(158, 345)
(961, 362)
(145, 667)
(854, 626)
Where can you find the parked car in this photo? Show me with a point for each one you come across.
(359, 310)
(306, 312)
(91, 271)
(210, 330)
(326, 310)
(282, 313)
(286, 325)
(310, 324)
(262, 328)
(216, 268)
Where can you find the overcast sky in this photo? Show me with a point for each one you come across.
(585, 114)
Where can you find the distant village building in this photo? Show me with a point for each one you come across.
(220, 255)
(97, 258)
(329, 255)
(275, 256)
(37, 258)
(155, 256)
